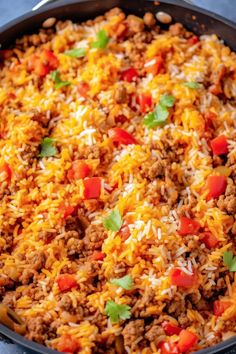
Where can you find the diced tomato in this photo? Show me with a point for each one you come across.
(65, 210)
(66, 282)
(145, 102)
(92, 187)
(193, 40)
(43, 63)
(154, 65)
(83, 88)
(121, 118)
(188, 226)
(40, 68)
(129, 75)
(124, 232)
(187, 340)
(8, 172)
(168, 348)
(170, 328)
(50, 59)
(219, 307)
(210, 240)
(98, 256)
(180, 278)
(121, 136)
(78, 170)
(219, 145)
(216, 186)
(68, 344)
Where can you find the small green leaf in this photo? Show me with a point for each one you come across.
(192, 84)
(55, 75)
(76, 52)
(113, 221)
(125, 282)
(230, 261)
(102, 40)
(117, 312)
(47, 148)
(167, 100)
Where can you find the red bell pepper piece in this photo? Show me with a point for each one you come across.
(219, 145)
(154, 65)
(193, 40)
(65, 210)
(170, 328)
(98, 256)
(216, 186)
(120, 136)
(78, 170)
(129, 75)
(219, 307)
(66, 282)
(92, 188)
(186, 341)
(68, 344)
(182, 279)
(83, 88)
(188, 226)
(144, 101)
(168, 348)
(210, 240)
(7, 170)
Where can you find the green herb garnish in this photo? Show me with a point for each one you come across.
(102, 40)
(76, 53)
(125, 282)
(113, 221)
(58, 82)
(192, 84)
(47, 148)
(230, 261)
(160, 113)
(117, 312)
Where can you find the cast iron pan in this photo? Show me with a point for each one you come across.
(197, 20)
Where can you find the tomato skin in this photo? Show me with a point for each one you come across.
(216, 186)
(65, 210)
(98, 256)
(193, 40)
(121, 136)
(8, 171)
(187, 340)
(129, 75)
(78, 170)
(182, 279)
(168, 348)
(66, 282)
(92, 188)
(219, 145)
(188, 226)
(210, 240)
(83, 88)
(219, 307)
(68, 344)
(144, 101)
(170, 328)
(154, 65)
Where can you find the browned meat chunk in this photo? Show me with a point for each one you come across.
(94, 237)
(154, 332)
(36, 260)
(132, 331)
(135, 24)
(120, 94)
(37, 330)
(65, 303)
(227, 202)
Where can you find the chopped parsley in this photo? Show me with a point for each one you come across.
(192, 84)
(47, 148)
(76, 52)
(125, 282)
(101, 40)
(113, 221)
(58, 82)
(230, 260)
(161, 113)
(117, 312)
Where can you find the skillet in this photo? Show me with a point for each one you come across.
(195, 19)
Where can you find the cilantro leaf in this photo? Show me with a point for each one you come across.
(76, 52)
(113, 221)
(55, 75)
(230, 261)
(167, 100)
(192, 84)
(102, 40)
(47, 148)
(125, 282)
(117, 312)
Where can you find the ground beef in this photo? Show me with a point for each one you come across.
(65, 303)
(135, 24)
(74, 224)
(74, 246)
(94, 237)
(37, 330)
(120, 94)
(36, 260)
(27, 276)
(153, 331)
(154, 169)
(10, 298)
(227, 202)
(132, 331)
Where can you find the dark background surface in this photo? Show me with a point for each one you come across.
(10, 9)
